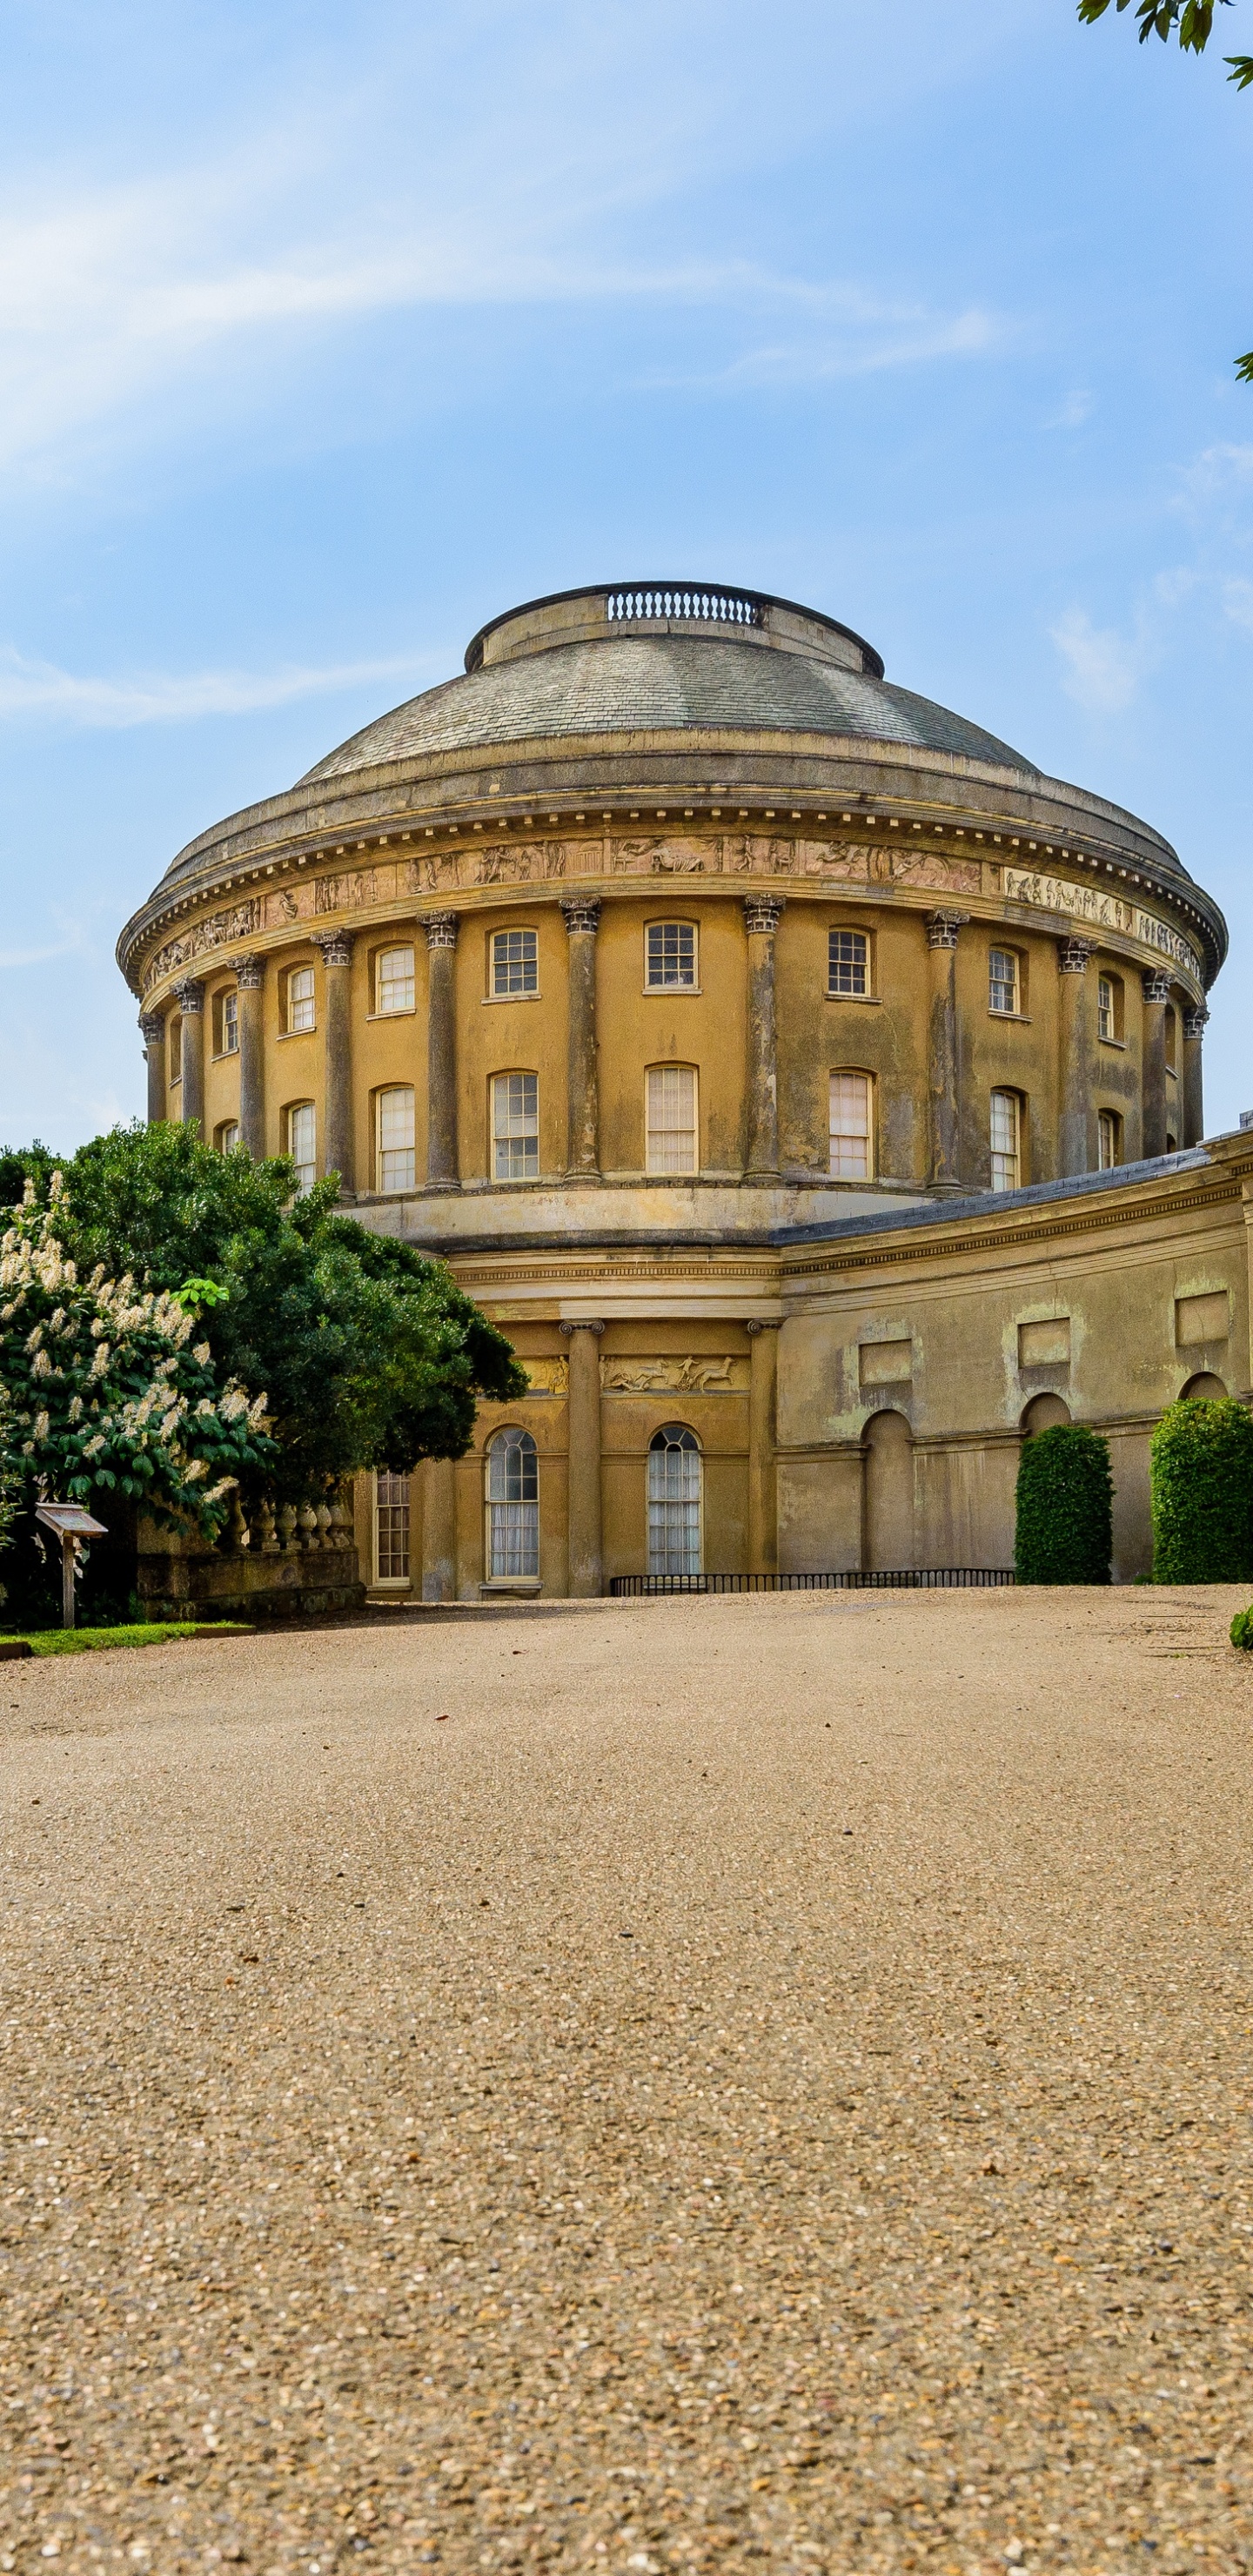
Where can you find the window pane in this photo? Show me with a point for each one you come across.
(515, 961)
(302, 1143)
(228, 1136)
(671, 953)
(672, 1118)
(515, 1125)
(674, 1503)
(1107, 1128)
(512, 1504)
(300, 998)
(395, 980)
(1004, 1140)
(850, 1126)
(1104, 1007)
(395, 1138)
(1002, 980)
(391, 1551)
(174, 1036)
(847, 952)
(230, 1024)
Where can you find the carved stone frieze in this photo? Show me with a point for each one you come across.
(695, 1375)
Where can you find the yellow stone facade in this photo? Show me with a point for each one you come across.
(747, 1033)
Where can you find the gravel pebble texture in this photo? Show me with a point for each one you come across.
(679, 2085)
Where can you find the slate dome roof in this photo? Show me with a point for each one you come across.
(663, 658)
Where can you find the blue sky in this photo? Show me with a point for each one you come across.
(326, 334)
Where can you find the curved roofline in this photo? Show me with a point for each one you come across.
(601, 589)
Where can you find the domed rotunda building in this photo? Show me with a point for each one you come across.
(809, 1085)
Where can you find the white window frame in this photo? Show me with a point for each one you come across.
(515, 1123)
(511, 1534)
(230, 1021)
(852, 965)
(297, 1005)
(306, 1166)
(227, 1137)
(663, 1089)
(684, 932)
(395, 1162)
(386, 987)
(1006, 1164)
(391, 1530)
(502, 966)
(675, 1488)
(1011, 984)
(842, 1165)
(1107, 1130)
(1106, 1017)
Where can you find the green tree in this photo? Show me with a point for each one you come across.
(370, 1355)
(1064, 1527)
(1192, 22)
(1201, 1476)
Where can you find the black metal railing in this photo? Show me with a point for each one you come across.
(931, 1578)
(693, 607)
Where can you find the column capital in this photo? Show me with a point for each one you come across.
(1073, 955)
(582, 912)
(1194, 1019)
(189, 995)
(582, 1324)
(151, 1028)
(336, 946)
(441, 928)
(942, 928)
(763, 913)
(1156, 982)
(250, 973)
(759, 1325)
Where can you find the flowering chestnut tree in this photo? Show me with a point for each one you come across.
(107, 1392)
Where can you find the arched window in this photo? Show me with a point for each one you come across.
(302, 1142)
(1205, 1389)
(674, 1501)
(394, 1143)
(1043, 1414)
(227, 1136)
(512, 1504)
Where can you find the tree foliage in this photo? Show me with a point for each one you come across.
(1064, 1529)
(369, 1354)
(1192, 21)
(1201, 1475)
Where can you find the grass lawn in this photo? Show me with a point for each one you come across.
(84, 1641)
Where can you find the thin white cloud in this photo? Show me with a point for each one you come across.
(38, 956)
(38, 689)
(1077, 407)
(1103, 669)
(876, 341)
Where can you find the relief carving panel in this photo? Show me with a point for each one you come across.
(695, 1375)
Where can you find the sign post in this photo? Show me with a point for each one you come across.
(70, 1521)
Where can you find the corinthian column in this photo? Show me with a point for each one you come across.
(152, 1030)
(1153, 1067)
(250, 978)
(942, 1066)
(338, 1156)
(1193, 1104)
(1075, 1069)
(190, 998)
(442, 1171)
(582, 915)
(763, 1516)
(583, 1472)
(762, 915)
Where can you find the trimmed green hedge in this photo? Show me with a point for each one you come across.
(1201, 1474)
(1065, 1522)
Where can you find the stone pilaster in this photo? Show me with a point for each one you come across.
(152, 1031)
(250, 978)
(1156, 983)
(942, 1052)
(442, 1169)
(1075, 1072)
(582, 918)
(190, 998)
(762, 915)
(1193, 1089)
(337, 1155)
(763, 1514)
(583, 1508)
(439, 1529)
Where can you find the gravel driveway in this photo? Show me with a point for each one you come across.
(679, 2085)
